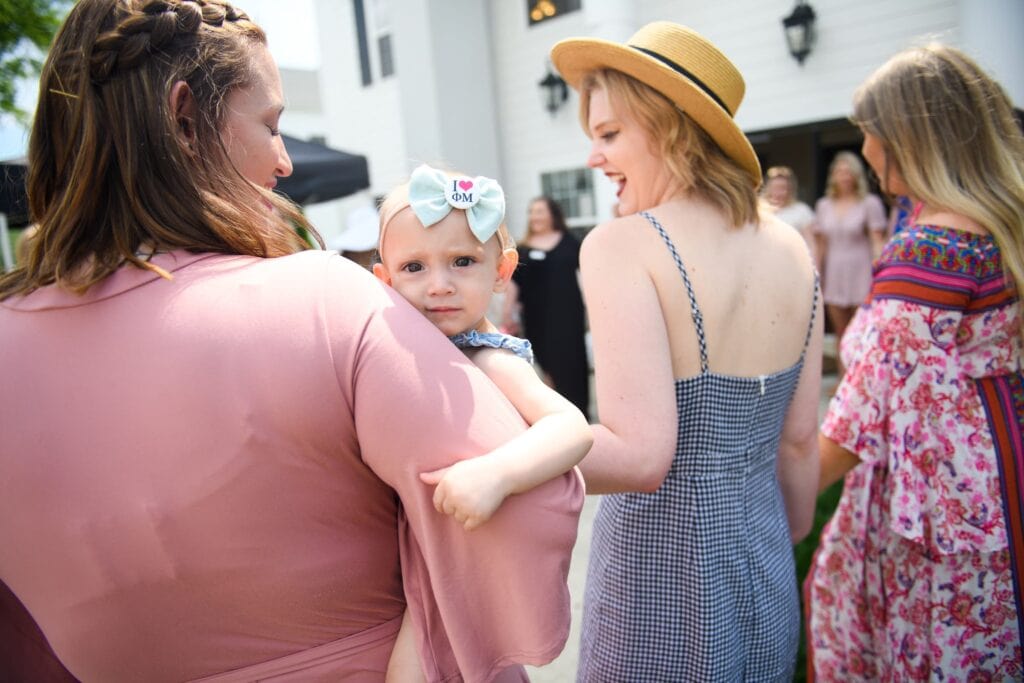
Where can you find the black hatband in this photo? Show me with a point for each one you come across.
(683, 72)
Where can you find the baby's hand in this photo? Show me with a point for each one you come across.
(470, 491)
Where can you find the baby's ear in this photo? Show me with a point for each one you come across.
(507, 263)
(382, 273)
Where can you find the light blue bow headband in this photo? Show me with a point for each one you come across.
(433, 194)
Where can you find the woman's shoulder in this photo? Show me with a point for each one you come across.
(800, 208)
(778, 239)
(796, 214)
(614, 232)
(322, 278)
(940, 248)
(942, 267)
(873, 200)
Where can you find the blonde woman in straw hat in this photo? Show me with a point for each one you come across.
(707, 333)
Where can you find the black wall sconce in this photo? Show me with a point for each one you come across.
(799, 27)
(554, 91)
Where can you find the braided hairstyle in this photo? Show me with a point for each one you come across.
(109, 170)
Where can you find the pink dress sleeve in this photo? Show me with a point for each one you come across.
(876, 218)
(484, 600)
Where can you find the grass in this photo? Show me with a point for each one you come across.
(803, 553)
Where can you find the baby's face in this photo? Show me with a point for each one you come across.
(442, 270)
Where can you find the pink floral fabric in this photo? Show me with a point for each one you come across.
(912, 580)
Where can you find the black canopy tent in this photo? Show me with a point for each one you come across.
(320, 173)
(13, 206)
(13, 201)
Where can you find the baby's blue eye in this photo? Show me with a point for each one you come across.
(463, 261)
(412, 267)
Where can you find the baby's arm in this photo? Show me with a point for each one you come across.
(404, 665)
(558, 438)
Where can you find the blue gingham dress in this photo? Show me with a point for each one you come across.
(696, 582)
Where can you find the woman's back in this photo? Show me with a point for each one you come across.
(715, 532)
(753, 285)
(199, 480)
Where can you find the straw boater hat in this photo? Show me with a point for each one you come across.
(680, 64)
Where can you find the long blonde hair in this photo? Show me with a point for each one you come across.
(855, 166)
(693, 158)
(949, 129)
(108, 172)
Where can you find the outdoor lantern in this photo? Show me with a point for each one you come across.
(799, 27)
(554, 90)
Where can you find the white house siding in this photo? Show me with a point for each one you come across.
(356, 119)
(467, 71)
(990, 30)
(443, 57)
(535, 141)
(853, 38)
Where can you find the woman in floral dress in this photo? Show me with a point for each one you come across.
(914, 578)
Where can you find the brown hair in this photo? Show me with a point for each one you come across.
(108, 170)
(696, 161)
(949, 130)
(555, 209)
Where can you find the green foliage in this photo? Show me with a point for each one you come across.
(803, 553)
(24, 25)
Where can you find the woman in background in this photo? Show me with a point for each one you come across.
(779, 191)
(551, 306)
(849, 226)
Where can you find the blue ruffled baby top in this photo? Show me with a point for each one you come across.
(494, 340)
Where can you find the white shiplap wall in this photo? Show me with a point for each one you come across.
(363, 120)
(534, 141)
(854, 37)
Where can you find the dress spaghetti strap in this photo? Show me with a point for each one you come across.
(698, 318)
(814, 312)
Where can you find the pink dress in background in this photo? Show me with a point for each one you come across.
(216, 478)
(847, 267)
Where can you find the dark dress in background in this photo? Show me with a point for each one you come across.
(553, 318)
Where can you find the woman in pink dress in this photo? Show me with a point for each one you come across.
(848, 221)
(916, 574)
(212, 440)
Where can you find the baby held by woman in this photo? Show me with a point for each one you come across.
(444, 248)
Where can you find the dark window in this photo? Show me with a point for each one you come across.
(574, 191)
(364, 45)
(542, 10)
(387, 62)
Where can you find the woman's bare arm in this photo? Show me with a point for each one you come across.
(836, 461)
(798, 462)
(635, 442)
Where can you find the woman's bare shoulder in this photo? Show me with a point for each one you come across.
(615, 234)
(784, 238)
